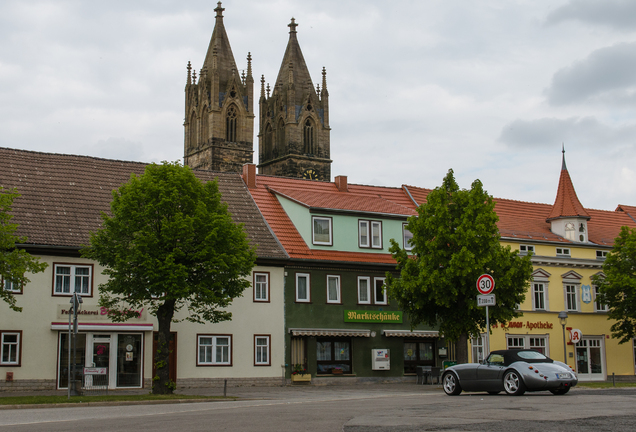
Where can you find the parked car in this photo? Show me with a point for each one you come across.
(512, 371)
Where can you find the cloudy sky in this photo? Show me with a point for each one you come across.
(489, 88)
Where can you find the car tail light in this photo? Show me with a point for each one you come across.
(530, 367)
(536, 371)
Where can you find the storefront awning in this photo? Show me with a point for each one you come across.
(105, 326)
(329, 332)
(414, 333)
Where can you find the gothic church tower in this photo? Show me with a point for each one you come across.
(294, 130)
(219, 108)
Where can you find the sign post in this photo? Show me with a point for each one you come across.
(485, 285)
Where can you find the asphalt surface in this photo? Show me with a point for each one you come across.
(359, 408)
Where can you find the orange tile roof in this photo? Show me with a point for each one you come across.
(566, 204)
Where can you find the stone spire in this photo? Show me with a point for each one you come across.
(220, 48)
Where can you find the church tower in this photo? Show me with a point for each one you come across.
(293, 137)
(219, 108)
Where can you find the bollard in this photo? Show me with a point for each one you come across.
(225, 388)
(613, 379)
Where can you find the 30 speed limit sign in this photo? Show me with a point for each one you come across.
(485, 284)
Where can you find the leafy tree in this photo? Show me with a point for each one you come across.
(170, 243)
(617, 286)
(14, 262)
(455, 240)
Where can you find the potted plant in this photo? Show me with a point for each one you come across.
(299, 373)
(337, 371)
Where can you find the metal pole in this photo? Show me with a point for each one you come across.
(487, 334)
(565, 356)
(75, 306)
(68, 373)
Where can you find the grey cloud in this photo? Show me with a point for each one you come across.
(581, 132)
(619, 14)
(607, 75)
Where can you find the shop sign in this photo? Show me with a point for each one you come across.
(586, 294)
(95, 313)
(361, 316)
(529, 325)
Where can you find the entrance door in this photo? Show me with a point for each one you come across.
(98, 355)
(589, 359)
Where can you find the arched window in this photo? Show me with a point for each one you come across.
(193, 130)
(230, 124)
(204, 125)
(280, 135)
(268, 140)
(308, 137)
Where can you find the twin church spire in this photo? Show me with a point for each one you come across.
(219, 117)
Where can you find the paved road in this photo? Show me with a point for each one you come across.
(360, 408)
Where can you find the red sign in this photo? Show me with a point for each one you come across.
(485, 284)
(575, 335)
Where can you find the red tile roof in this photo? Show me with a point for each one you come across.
(566, 204)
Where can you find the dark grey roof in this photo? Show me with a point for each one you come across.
(63, 195)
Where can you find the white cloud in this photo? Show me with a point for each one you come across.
(619, 14)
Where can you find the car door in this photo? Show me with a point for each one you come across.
(489, 374)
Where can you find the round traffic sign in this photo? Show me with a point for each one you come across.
(485, 284)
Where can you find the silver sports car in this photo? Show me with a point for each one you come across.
(512, 371)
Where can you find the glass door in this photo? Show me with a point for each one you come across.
(99, 356)
(589, 359)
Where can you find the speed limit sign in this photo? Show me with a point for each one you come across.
(485, 284)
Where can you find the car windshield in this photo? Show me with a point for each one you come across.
(531, 355)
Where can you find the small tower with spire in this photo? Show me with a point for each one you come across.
(568, 217)
(219, 108)
(294, 132)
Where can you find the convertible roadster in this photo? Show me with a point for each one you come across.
(512, 371)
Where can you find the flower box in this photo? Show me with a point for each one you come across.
(301, 377)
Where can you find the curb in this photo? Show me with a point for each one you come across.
(111, 403)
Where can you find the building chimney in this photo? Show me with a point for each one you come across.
(341, 183)
(249, 175)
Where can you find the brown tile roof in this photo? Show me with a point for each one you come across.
(63, 195)
(566, 204)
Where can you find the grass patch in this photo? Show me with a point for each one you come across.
(605, 384)
(30, 400)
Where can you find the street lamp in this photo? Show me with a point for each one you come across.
(563, 319)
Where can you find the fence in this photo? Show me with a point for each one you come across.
(95, 381)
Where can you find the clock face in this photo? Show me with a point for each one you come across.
(310, 174)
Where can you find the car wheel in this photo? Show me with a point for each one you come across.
(451, 384)
(493, 393)
(513, 384)
(560, 392)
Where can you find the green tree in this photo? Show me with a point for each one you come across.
(14, 262)
(617, 286)
(455, 240)
(170, 243)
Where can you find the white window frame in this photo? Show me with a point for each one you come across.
(72, 279)
(258, 287)
(375, 293)
(544, 292)
(363, 229)
(214, 345)
(526, 340)
(405, 242)
(598, 307)
(575, 296)
(10, 286)
(338, 298)
(368, 280)
(313, 230)
(524, 249)
(601, 254)
(477, 348)
(371, 236)
(308, 299)
(564, 252)
(262, 350)
(11, 347)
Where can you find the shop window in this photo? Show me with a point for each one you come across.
(333, 289)
(364, 290)
(539, 297)
(129, 360)
(214, 350)
(11, 342)
(571, 303)
(70, 278)
(321, 230)
(262, 350)
(303, 288)
(79, 359)
(418, 353)
(598, 305)
(333, 356)
(380, 295)
(261, 287)
(407, 236)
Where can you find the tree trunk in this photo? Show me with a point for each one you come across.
(161, 383)
(462, 348)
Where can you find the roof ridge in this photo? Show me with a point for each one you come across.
(74, 155)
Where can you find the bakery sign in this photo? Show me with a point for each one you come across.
(96, 313)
